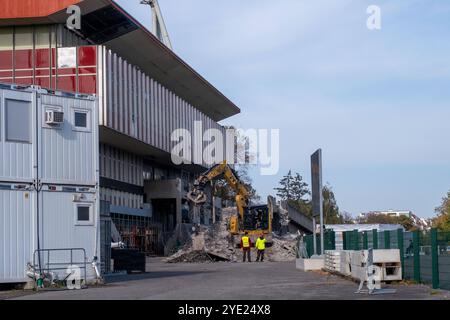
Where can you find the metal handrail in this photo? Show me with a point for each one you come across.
(41, 269)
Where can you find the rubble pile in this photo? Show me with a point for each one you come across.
(209, 244)
(196, 256)
(283, 248)
(213, 244)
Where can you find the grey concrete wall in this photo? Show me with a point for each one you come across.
(165, 189)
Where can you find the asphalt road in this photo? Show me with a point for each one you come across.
(249, 281)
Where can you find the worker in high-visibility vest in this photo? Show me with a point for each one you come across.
(246, 244)
(261, 248)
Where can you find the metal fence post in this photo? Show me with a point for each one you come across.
(401, 248)
(387, 239)
(365, 241)
(326, 241)
(434, 259)
(344, 240)
(309, 245)
(416, 250)
(375, 238)
(355, 240)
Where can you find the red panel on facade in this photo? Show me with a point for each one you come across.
(87, 56)
(90, 71)
(44, 82)
(42, 72)
(6, 74)
(24, 73)
(24, 81)
(67, 83)
(42, 58)
(87, 79)
(6, 60)
(87, 84)
(23, 59)
(53, 69)
(32, 8)
(67, 71)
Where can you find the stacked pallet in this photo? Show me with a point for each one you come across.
(333, 260)
(338, 261)
(354, 263)
(346, 262)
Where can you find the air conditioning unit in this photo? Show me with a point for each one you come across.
(54, 117)
(79, 197)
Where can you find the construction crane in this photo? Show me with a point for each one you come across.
(252, 219)
(158, 26)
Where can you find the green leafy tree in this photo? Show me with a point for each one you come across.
(347, 218)
(442, 221)
(331, 213)
(292, 188)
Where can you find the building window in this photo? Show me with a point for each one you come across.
(83, 215)
(18, 120)
(81, 120)
(67, 57)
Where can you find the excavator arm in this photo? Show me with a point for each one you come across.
(197, 194)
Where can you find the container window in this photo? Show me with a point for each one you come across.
(80, 119)
(83, 214)
(18, 120)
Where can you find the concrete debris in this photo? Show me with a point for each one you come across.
(195, 257)
(283, 249)
(215, 244)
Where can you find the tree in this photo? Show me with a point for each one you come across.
(347, 218)
(442, 221)
(331, 213)
(292, 188)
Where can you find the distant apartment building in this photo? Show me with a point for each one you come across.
(392, 213)
(418, 222)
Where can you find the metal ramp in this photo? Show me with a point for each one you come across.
(297, 218)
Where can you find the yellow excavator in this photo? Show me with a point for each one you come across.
(252, 219)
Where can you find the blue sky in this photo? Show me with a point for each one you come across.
(376, 102)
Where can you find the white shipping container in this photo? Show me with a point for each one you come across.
(17, 236)
(48, 179)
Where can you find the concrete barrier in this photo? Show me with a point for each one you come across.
(310, 264)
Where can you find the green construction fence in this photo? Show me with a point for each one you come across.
(425, 255)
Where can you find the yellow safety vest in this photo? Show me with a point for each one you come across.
(245, 242)
(261, 244)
